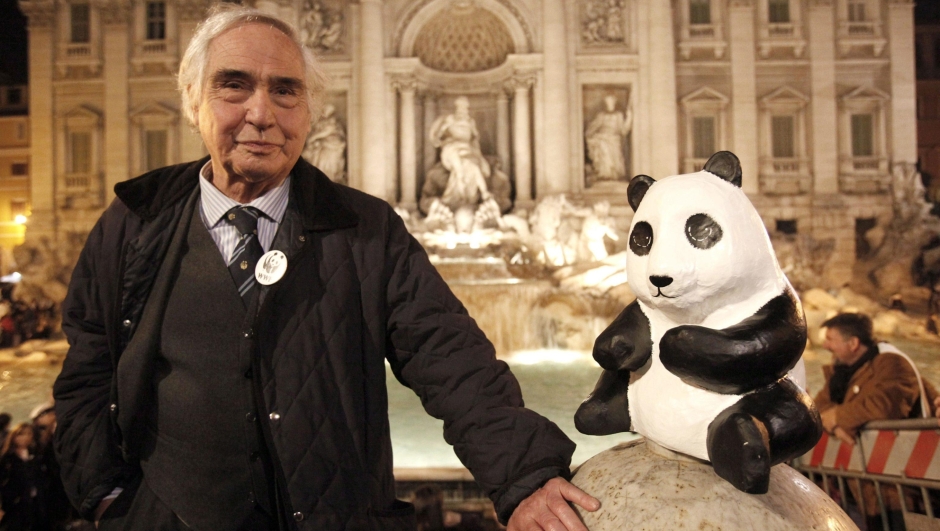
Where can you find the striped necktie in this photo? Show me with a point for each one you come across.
(247, 251)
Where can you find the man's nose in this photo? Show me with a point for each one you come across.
(260, 111)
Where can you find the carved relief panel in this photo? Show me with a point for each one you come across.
(326, 143)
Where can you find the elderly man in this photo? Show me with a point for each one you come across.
(868, 381)
(229, 322)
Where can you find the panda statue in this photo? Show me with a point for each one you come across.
(699, 362)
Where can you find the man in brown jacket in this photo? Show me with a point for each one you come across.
(868, 381)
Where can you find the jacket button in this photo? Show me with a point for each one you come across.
(249, 333)
(113, 408)
(248, 373)
(302, 238)
(299, 516)
(250, 417)
(127, 323)
(254, 456)
(275, 416)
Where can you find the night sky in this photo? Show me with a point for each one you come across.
(12, 44)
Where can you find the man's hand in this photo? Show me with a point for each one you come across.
(843, 435)
(547, 508)
(828, 418)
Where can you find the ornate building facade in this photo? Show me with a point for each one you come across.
(817, 98)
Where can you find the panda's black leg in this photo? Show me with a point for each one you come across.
(777, 422)
(738, 450)
(606, 410)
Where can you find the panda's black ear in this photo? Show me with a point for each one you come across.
(637, 189)
(726, 165)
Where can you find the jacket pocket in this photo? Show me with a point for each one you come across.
(399, 517)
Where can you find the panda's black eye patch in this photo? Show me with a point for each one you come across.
(641, 239)
(702, 231)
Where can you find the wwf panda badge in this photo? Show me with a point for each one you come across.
(700, 362)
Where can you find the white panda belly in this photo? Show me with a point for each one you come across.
(672, 413)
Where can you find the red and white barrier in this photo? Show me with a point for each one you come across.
(908, 453)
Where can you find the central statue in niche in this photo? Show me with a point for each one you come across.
(464, 180)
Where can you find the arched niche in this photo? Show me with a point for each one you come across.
(430, 10)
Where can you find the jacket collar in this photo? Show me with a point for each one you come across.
(321, 202)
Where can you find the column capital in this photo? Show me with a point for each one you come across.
(38, 13)
(821, 3)
(114, 11)
(742, 3)
(191, 10)
(405, 83)
(520, 81)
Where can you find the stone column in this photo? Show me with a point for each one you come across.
(42, 222)
(522, 138)
(744, 91)
(830, 215)
(658, 67)
(825, 118)
(502, 129)
(557, 137)
(430, 113)
(115, 46)
(903, 81)
(372, 100)
(189, 14)
(408, 155)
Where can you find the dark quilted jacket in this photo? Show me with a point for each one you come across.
(359, 290)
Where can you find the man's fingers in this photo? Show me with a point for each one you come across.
(572, 493)
(567, 516)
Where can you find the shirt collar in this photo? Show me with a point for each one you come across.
(215, 204)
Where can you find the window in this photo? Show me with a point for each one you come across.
(80, 23)
(700, 12)
(80, 152)
(155, 149)
(19, 169)
(786, 226)
(21, 131)
(863, 143)
(14, 96)
(781, 132)
(703, 137)
(857, 11)
(778, 11)
(18, 207)
(156, 21)
(863, 246)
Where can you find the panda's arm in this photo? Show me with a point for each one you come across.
(758, 351)
(626, 343)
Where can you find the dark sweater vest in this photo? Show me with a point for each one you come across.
(204, 456)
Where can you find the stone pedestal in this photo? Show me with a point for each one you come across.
(642, 486)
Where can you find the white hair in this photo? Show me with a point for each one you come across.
(223, 17)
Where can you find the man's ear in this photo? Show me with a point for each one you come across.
(854, 343)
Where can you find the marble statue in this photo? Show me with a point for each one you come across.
(604, 137)
(597, 226)
(464, 176)
(705, 361)
(326, 145)
(457, 137)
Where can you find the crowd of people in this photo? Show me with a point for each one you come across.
(21, 321)
(32, 497)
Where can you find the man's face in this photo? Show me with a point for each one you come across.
(253, 115)
(844, 349)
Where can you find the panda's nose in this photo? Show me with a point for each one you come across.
(660, 282)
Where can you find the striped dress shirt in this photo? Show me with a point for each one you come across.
(214, 204)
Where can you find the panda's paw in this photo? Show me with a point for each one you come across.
(599, 417)
(739, 453)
